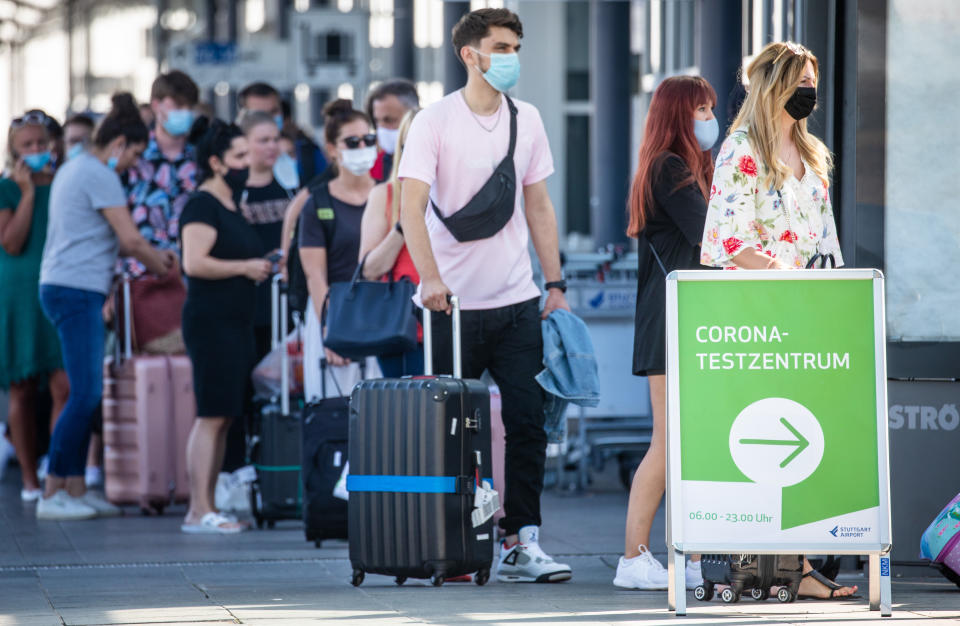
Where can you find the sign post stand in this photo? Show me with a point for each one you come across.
(776, 419)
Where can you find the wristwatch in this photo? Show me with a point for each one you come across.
(557, 284)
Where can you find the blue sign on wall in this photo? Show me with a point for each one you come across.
(215, 53)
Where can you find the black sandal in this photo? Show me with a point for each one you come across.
(833, 586)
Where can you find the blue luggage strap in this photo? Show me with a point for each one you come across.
(412, 484)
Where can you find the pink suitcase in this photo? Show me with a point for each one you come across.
(148, 411)
(497, 447)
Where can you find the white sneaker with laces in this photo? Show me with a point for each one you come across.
(693, 574)
(61, 506)
(641, 572)
(99, 503)
(526, 561)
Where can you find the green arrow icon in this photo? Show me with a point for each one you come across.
(800, 442)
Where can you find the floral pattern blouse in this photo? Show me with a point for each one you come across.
(792, 225)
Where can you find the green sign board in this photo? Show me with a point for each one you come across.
(777, 434)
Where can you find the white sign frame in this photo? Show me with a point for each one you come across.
(677, 544)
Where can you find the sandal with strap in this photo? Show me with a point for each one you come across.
(213, 524)
(833, 586)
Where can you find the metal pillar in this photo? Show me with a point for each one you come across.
(454, 74)
(402, 52)
(610, 133)
(718, 38)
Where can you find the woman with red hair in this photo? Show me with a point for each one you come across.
(668, 206)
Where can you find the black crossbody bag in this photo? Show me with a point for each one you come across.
(493, 206)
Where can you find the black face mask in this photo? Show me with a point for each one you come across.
(237, 180)
(801, 103)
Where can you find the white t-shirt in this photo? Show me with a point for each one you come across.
(448, 149)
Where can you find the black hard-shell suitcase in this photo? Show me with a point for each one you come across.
(419, 448)
(273, 436)
(325, 431)
(757, 573)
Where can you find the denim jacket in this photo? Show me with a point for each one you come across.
(570, 373)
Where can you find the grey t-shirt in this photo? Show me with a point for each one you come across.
(81, 249)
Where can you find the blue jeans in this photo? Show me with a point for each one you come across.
(406, 364)
(77, 316)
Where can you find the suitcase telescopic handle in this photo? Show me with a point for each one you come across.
(278, 331)
(127, 314)
(428, 340)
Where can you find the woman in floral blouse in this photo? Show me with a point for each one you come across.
(769, 205)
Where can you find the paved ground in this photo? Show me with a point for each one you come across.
(140, 570)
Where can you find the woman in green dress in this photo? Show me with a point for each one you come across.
(29, 347)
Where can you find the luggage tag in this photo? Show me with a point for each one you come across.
(340, 489)
(246, 474)
(486, 502)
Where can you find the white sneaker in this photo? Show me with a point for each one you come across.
(527, 562)
(99, 504)
(93, 476)
(641, 572)
(43, 467)
(31, 495)
(693, 574)
(62, 506)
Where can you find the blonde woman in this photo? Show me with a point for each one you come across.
(382, 243)
(769, 204)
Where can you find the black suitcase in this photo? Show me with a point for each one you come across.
(325, 430)
(419, 448)
(756, 573)
(273, 436)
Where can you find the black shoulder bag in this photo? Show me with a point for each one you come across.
(493, 206)
(370, 318)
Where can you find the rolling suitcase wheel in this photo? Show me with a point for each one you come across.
(260, 523)
(400, 580)
(437, 580)
(704, 592)
(784, 595)
(482, 577)
(729, 596)
(759, 594)
(357, 579)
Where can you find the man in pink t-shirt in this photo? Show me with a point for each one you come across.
(451, 151)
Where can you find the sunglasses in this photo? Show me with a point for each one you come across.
(33, 118)
(354, 141)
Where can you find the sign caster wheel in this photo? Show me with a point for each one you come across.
(759, 594)
(357, 579)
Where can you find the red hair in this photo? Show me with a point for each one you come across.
(669, 128)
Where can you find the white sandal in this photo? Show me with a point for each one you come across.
(212, 524)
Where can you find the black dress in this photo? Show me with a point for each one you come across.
(218, 315)
(675, 229)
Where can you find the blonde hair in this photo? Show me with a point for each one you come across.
(394, 179)
(774, 75)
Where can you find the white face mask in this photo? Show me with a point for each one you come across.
(359, 160)
(387, 138)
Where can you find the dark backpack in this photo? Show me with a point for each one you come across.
(298, 294)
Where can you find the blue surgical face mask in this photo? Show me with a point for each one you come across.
(38, 161)
(706, 132)
(504, 70)
(112, 163)
(285, 171)
(178, 122)
(278, 120)
(75, 150)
